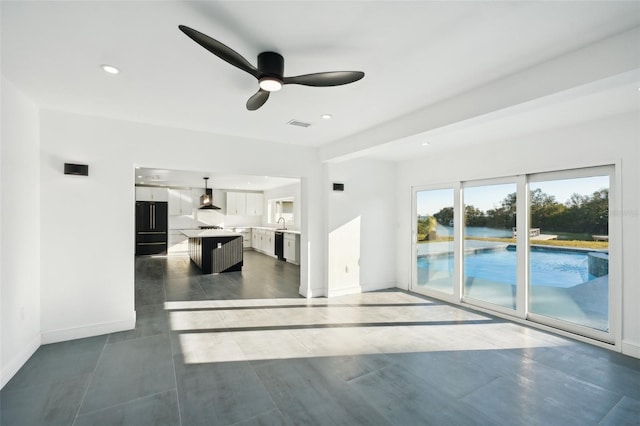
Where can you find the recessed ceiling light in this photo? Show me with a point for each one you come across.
(139, 177)
(141, 182)
(426, 143)
(110, 69)
(327, 116)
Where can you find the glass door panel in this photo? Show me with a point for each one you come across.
(434, 243)
(490, 264)
(569, 250)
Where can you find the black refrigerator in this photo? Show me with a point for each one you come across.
(151, 227)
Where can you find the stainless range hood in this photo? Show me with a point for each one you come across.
(206, 199)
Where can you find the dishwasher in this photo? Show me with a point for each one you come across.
(279, 248)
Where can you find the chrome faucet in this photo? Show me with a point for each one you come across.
(284, 224)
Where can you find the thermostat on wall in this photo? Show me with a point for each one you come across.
(338, 186)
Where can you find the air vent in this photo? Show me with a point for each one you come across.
(299, 123)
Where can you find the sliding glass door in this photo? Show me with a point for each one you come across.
(434, 240)
(490, 266)
(535, 247)
(569, 248)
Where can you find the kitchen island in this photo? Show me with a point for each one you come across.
(215, 250)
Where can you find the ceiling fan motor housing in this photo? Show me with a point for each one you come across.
(271, 64)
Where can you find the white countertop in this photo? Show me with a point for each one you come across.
(290, 231)
(204, 233)
(195, 233)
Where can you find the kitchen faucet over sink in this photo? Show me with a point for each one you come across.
(284, 224)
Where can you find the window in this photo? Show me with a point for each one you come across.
(535, 247)
(280, 208)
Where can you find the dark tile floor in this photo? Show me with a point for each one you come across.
(245, 349)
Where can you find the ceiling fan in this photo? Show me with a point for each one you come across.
(270, 69)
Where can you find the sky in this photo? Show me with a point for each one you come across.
(488, 197)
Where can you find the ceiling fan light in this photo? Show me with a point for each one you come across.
(110, 69)
(270, 84)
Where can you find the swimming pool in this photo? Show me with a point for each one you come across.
(549, 267)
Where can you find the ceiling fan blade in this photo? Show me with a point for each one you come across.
(324, 79)
(222, 51)
(257, 100)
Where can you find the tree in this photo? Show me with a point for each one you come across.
(505, 215)
(595, 213)
(427, 226)
(576, 200)
(445, 215)
(545, 210)
(473, 216)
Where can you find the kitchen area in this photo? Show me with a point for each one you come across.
(214, 219)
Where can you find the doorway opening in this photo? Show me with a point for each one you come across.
(247, 210)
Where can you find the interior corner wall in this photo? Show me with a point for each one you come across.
(604, 141)
(88, 231)
(361, 226)
(20, 231)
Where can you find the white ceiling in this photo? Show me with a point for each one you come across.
(193, 179)
(414, 54)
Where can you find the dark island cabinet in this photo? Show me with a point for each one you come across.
(217, 254)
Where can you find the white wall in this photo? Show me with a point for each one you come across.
(88, 230)
(20, 230)
(362, 226)
(597, 142)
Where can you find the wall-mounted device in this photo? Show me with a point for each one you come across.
(76, 169)
(338, 186)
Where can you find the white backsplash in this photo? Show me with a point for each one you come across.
(214, 217)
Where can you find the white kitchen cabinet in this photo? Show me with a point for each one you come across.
(263, 240)
(262, 244)
(291, 247)
(255, 239)
(255, 204)
(246, 236)
(180, 202)
(149, 193)
(236, 203)
(269, 242)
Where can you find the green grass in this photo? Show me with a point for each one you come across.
(595, 245)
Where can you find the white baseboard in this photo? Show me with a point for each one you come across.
(631, 349)
(88, 331)
(313, 292)
(404, 286)
(11, 368)
(344, 291)
(377, 286)
(364, 288)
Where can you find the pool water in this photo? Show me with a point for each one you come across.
(553, 268)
